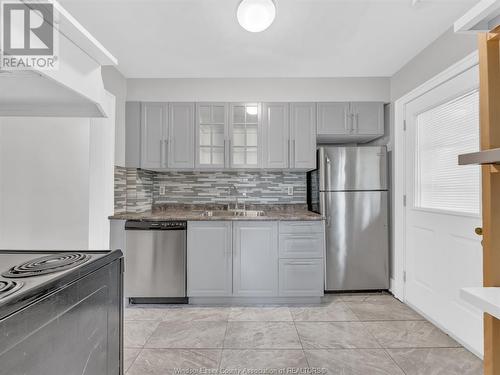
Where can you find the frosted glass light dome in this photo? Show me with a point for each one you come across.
(256, 15)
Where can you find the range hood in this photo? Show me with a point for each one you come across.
(75, 89)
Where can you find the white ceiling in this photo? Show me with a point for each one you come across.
(309, 38)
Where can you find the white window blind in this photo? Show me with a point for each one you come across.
(443, 133)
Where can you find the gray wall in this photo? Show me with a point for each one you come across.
(438, 56)
(259, 89)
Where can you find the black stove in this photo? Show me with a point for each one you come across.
(47, 265)
(61, 312)
(7, 287)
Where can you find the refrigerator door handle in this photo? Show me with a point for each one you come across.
(324, 170)
(322, 206)
(328, 193)
(328, 173)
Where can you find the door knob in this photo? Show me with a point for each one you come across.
(479, 231)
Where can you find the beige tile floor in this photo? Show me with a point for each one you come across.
(369, 334)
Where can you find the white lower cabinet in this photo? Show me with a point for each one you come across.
(301, 264)
(301, 277)
(301, 245)
(209, 259)
(255, 259)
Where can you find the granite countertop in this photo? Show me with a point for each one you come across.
(287, 212)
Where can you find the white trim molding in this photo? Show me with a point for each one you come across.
(399, 157)
(483, 17)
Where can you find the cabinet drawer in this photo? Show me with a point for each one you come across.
(301, 278)
(301, 227)
(301, 245)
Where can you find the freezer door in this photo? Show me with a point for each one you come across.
(357, 240)
(353, 168)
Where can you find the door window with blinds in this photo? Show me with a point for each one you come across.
(442, 133)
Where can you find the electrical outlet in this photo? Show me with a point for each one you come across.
(162, 189)
(290, 190)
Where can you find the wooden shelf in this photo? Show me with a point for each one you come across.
(479, 158)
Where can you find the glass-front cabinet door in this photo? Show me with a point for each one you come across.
(211, 135)
(245, 143)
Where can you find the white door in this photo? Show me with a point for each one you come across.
(211, 136)
(154, 129)
(275, 139)
(443, 254)
(255, 259)
(209, 259)
(245, 135)
(368, 118)
(303, 135)
(333, 119)
(181, 144)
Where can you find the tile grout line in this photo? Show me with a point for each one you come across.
(394, 361)
(384, 349)
(223, 342)
(142, 347)
(300, 340)
(135, 359)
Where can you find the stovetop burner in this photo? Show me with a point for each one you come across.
(7, 287)
(48, 264)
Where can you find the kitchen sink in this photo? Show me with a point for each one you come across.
(233, 213)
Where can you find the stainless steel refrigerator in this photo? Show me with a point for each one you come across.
(350, 190)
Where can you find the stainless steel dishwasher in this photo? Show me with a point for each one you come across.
(155, 262)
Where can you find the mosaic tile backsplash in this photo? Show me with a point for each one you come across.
(214, 187)
(143, 188)
(120, 189)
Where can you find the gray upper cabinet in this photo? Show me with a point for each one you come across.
(211, 136)
(303, 135)
(245, 135)
(350, 122)
(255, 259)
(154, 135)
(217, 136)
(133, 134)
(181, 136)
(368, 118)
(275, 135)
(333, 119)
(209, 259)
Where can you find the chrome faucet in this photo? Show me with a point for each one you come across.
(232, 188)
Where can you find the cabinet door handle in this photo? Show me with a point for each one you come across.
(290, 164)
(166, 152)
(299, 263)
(162, 155)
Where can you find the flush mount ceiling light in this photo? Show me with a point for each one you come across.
(256, 15)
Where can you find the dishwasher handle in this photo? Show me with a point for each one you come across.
(155, 225)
